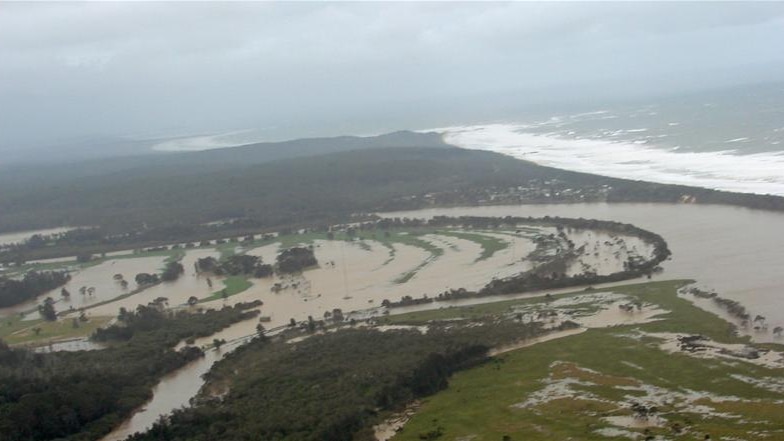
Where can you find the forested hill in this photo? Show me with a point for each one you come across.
(39, 187)
(41, 176)
(318, 189)
(274, 193)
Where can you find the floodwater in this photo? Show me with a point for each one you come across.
(737, 251)
(177, 292)
(172, 392)
(734, 250)
(100, 277)
(357, 276)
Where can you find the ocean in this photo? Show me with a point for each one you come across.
(728, 139)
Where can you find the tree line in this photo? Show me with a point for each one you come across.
(302, 192)
(330, 387)
(81, 396)
(32, 285)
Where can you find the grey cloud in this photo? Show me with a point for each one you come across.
(71, 69)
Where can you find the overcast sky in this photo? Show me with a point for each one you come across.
(69, 71)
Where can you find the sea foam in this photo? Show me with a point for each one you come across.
(761, 173)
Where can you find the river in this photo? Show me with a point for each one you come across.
(736, 251)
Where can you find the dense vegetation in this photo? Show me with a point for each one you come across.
(173, 327)
(235, 265)
(329, 387)
(82, 395)
(172, 271)
(296, 259)
(148, 206)
(32, 285)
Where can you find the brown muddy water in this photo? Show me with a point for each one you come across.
(737, 251)
(733, 250)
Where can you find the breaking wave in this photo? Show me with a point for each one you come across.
(761, 173)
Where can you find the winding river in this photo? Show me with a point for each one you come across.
(737, 251)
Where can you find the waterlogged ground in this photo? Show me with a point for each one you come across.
(625, 373)
(360, 274)
(353, 274)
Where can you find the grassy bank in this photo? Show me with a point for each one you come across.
(603, 372)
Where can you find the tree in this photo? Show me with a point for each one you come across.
(193, 300)
(65, 294)
(296, 259)
(143, 279)
(218, 342)
(777, 331)
(337, 315)
(172, 272)
(123, 315)
(47, 310)
(224, 294)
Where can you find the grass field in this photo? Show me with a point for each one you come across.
(490, 245)
(233, 285)
(15, 331)
(580, 386)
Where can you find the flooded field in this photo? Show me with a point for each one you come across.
(98, 283)
(642, 363)
(359, 275)
(177, 292)
(362, 274)
(736, 251)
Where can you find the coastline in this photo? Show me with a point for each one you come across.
(727, 171)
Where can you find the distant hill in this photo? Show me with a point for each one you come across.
(310, 181)
(21, 177)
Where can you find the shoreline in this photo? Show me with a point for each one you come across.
(627, 160)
